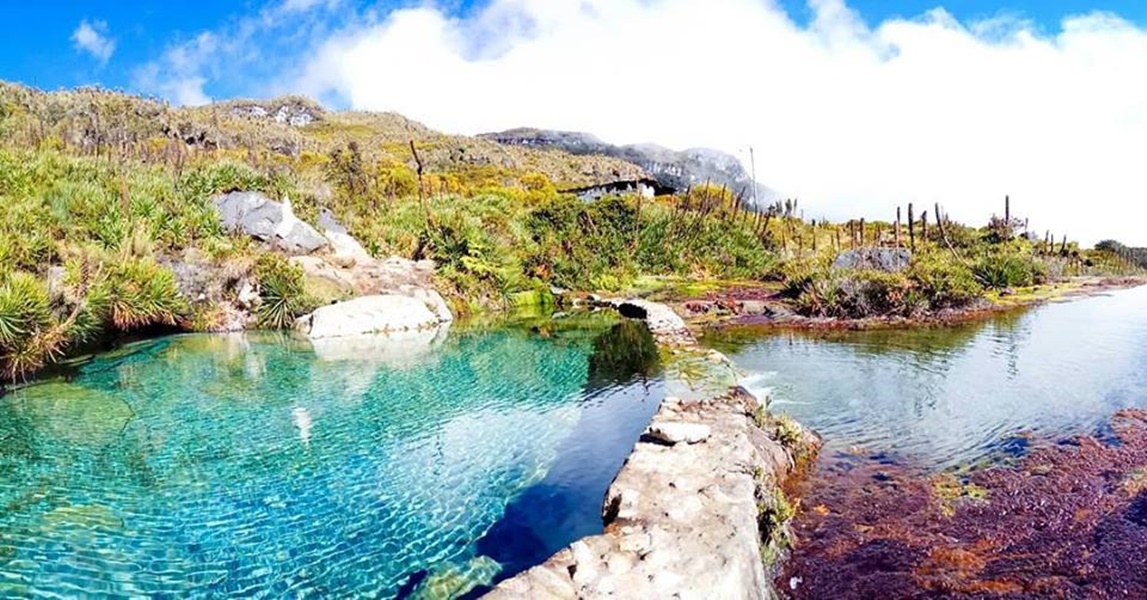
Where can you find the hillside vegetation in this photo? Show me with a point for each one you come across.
(102, 192)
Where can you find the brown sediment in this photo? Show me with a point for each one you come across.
(1068, 520)
(765, 308)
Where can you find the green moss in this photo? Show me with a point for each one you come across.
(949, 490)
(773, 515)
(788, 432)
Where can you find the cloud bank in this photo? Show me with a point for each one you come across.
(851, 118)
(93, 39)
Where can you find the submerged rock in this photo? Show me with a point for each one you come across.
(388, 313)
(889, 260)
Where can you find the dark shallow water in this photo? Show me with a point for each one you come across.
(259, 465)
(1006, 459)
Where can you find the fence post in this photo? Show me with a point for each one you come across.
(897, 226)
(911, 228)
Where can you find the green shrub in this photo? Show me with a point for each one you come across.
(855, 294)
(283, 296)
(27, 338)
(944, 283)
(1006, 269)
(24, 307)
(137, 293)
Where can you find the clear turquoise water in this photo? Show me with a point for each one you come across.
(940, 397)
(257, 465)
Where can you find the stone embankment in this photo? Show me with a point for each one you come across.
(697, 510)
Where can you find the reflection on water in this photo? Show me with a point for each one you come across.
(913, 497)
(230, 465)
(947, 395)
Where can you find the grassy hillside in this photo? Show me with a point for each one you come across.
(102, 192)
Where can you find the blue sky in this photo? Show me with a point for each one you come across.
(38, 46)
(852, 113)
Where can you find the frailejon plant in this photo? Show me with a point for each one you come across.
(140, 293)
(282, 292)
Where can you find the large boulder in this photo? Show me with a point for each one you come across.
(274, 223)
(345, 247)
(889, 260)
(390, 313)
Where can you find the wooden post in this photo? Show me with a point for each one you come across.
(1008, 217)
(421, 189)
(924, 228)
(1063, 248)
(911, 228)
(837, 238)
(862, 240)
(897, 226)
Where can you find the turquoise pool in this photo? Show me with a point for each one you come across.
(259, 465)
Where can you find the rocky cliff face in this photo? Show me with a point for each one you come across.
(676, 169)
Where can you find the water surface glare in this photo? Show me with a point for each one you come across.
(938, 397)
(258, 465)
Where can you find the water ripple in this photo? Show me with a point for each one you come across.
(945, 396)
(248, 466)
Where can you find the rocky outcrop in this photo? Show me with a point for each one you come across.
(391, 313)
(696, 511)
(371, 277)
(344, 247)
(889, 260)
(678, 170)
(268, 221)
(665, 325)
(392, 295)
(232, 293)
(295, 111)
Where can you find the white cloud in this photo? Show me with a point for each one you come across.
(852, 120)
(291, 6)
(242, 54)
(178, 75)
(93, 38)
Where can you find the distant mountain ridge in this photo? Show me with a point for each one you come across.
(678, 169)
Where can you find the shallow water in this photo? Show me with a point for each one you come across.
(940, 397)
(997, 460)
(259, 465)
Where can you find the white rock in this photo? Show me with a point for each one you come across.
(434, 301)
(248, 295)
(342, 243)
(675, 432)
(369, 314)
